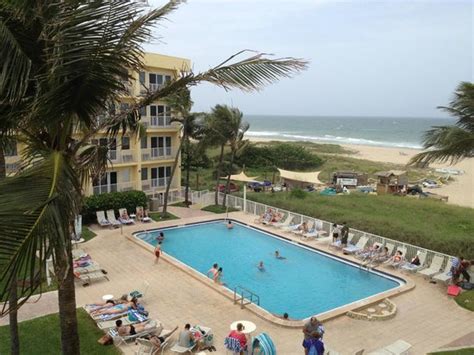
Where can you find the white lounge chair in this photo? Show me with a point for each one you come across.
(103, 222)
(309, 226)
(351, 248)
(434, 268)
(92, 267)
(141, 215)
(338, 245)
(396, 264)
(182, 349)
(446, 275)
(128, 220)
(111, 217)
(91, 276)
(109, 324)
(284, 223)
(366, 253)
(152, 327)
(413, 268)
(146, 347)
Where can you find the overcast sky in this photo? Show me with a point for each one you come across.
(368, 58)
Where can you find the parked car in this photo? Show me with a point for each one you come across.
(232, 187)
(430, 184)
(256, 186)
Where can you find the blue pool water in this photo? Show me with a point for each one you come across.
(304, 284)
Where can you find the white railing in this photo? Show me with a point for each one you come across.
(122, 156)
(257, 209)
(119, 187)
(159, 121)
(154, 87)
(154, 184)
(157, 153)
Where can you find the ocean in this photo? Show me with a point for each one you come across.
(377, 131)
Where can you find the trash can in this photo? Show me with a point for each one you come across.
(154, 204)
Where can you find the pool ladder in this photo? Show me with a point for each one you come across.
(245, 296)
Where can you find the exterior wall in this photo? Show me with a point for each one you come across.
(124, 171)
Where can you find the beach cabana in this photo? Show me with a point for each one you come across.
(243, 178)
(349, 178)
(392, 181)
(302, 180)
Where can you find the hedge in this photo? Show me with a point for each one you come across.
(113, 200)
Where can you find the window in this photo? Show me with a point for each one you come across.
(144, 143)
(167, 78)
(144, 174)
(143, 111)
(153, 111)
(125, 143)
(126, 175)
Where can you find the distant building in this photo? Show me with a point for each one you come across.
(137, 164)
(349, 179)
(392, 181)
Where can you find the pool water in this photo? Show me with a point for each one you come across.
(303, 284)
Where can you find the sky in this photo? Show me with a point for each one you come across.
(394, 58)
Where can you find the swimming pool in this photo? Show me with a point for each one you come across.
(307, 282)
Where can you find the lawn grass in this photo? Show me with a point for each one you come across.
(219, 209)
(41, 336)
(179, 204)
(466, 300)
(466, 351)
(87, 234)
(158, 216)
(426, 223)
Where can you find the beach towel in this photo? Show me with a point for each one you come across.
(266, 344)
(232, 344)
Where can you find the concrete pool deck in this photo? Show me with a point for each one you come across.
(427, 318)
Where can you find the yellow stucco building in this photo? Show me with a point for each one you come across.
(139, 163)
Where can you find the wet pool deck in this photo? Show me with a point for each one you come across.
(427, 318)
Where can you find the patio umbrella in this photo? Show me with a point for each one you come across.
(244, 178)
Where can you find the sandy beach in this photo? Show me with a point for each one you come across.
(460, 191)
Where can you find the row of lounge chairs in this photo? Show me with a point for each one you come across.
(86, 270)
(108, 219)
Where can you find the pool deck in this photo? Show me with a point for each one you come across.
(427, 318)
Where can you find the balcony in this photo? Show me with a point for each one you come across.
(155, 184)
(151, 88)
(119, 187)
(164, 153)
(122, 156)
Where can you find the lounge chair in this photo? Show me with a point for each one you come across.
(153, 326)
(92, 267)
(146, 347)
(310, 226)
(123, 211)
(446, 275)
(434, 267)
(396, 264)
(338, 245)
(77, 253)
(141, 215)
(108, 324)
(291, 227)
(284, 223)
(265, 343)
(414, 268)
(400, 347)
(112, 219)
(351, 248)
(91, 276)
(103, 222)
(182, 349)
(368, 252)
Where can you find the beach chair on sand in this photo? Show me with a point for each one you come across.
(351, 248)
(434, 268)
(446, 275)
(111, 217)
(103, 222)
(407, 266)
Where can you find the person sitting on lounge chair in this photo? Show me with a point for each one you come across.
(395, 260)
(303, 228)
(132, 329)
(158, 340)
(118, 308)
(266, 217)
(379, 257)
(186, 339)
(125, 218)
(276, 217)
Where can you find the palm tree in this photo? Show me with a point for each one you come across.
(62, 64)
(237, 129)
(451, 143)
(192, 152)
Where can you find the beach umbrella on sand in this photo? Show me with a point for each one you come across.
(243, 178)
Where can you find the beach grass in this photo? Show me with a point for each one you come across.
(42, 336)
(466, 300)
(425, 223)
(465, 351)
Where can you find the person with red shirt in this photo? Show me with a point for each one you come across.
(240, 336)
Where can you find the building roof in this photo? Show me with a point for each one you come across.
(390, 172)
(156, 60)
(311, 178)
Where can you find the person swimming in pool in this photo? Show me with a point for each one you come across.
(218, 276)
(230, 225)
(260, 266)
(278, 256)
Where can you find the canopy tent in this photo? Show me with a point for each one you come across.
(293, 176)
(244, 178)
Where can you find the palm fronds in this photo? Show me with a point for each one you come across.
(37, 206)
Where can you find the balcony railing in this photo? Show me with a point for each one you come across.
(119, 187)
(122, 156)
(154, 184)
(157, 153)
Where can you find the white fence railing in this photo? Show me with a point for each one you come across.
(257, 209)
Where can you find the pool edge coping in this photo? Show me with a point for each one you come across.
(407, 285)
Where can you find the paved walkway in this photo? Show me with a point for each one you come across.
(427, 318)
(36, 306)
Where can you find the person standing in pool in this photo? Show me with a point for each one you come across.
(260, 266)
(160, 237)
(278, 256)
(218, 276)
(212, 271)
(230, 225)
(157, 252)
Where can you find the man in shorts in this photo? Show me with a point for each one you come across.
(310, 327)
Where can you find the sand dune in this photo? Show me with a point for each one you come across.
(460, 191)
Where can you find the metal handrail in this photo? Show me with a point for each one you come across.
(245, 294)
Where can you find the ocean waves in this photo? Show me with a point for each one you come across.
(327, 138)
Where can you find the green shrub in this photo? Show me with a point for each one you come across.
(282, 155)
(113, 200)
(298, 193)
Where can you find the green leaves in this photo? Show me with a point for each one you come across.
(35, 213)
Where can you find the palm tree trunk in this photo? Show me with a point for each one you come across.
(13, 298)
(168, 185)
(218, 172)
(224, 200)
(188, 172)
(67, 303)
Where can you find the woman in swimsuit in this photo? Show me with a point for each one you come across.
(157, 252)
(133, 329)
(217, 276)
